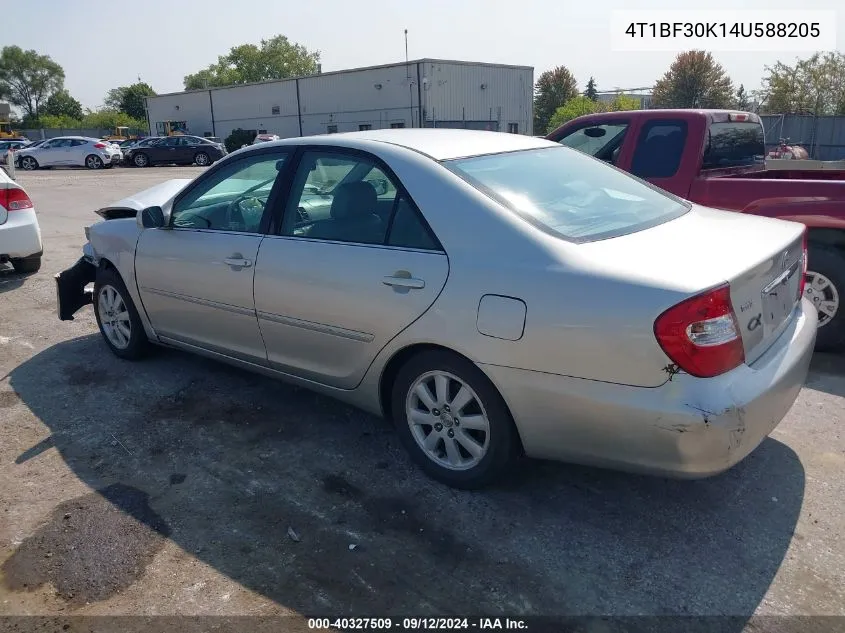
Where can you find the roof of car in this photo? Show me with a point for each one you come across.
(439, 144)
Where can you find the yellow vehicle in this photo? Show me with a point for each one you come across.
(171, 128)
(6, 130)
(122, 133)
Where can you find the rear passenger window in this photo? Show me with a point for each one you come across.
(659, 149)
(408, 230)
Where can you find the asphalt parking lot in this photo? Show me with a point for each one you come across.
(178, 485)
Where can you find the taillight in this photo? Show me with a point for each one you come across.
(100, 145)
(701, 334)
(15, 199)
(804, 265)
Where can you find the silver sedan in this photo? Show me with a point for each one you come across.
(492, 294)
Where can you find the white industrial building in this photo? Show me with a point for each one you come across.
(420, 93)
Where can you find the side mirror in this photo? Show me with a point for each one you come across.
(152, 218)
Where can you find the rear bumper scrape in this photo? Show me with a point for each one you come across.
(71, 294)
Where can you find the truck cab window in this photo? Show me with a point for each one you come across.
(659, 149)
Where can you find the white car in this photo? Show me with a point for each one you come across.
(20, 236)
(69, 151)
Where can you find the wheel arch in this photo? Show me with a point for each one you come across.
(403, 355)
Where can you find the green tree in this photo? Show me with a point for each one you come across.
(276, 58)
(624, 102)
(27, 79)
(572, 109)
(62, 104)
(108, 119)
(694, 80)
(238, 138)
(591, 93)
(62, 121)
(129, 99)
(553, 89)
(742, 102)
(815, 85)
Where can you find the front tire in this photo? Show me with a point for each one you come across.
(25, 265)
(825, 288)
(29, 163)
(202, 159)
(118, 319)
(92, 161)
(452, 420)
(140, 160)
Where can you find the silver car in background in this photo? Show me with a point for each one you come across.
(492, 294)
(70, 151)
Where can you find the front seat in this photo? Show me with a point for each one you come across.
(353, 216)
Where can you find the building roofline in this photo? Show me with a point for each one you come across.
(422, 60)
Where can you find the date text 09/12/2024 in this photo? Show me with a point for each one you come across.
(416, 624)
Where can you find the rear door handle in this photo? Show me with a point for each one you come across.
(398, 281)
(238, 262)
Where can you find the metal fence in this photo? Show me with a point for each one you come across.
(823, 136)
(38, 135)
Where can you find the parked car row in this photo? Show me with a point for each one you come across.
(81, 151)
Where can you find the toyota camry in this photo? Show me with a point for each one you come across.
(493, 295)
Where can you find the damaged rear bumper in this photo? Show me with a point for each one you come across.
(71, 294)
(687, 428)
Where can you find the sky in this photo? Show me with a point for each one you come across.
(102, 45)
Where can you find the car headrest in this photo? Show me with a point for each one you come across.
(353, 199)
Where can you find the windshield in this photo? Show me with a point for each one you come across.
(735, 144)
(568, 193)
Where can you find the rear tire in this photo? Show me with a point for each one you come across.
(26, 265)
(466, 446)
(118, 319)
(826, 290)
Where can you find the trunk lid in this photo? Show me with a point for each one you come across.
(761, 259)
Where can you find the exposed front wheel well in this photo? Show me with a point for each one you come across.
(391, 371)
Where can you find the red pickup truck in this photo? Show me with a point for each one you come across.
(716, 158)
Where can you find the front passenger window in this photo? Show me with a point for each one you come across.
(233, 198)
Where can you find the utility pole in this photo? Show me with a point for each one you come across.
(410, 83)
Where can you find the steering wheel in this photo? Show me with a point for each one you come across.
(235, 211)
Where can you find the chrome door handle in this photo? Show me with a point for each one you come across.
(403, 282)
(240, 262)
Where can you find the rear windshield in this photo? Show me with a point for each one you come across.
(734, 144)
(568, 193)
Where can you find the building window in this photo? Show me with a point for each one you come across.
(365, 126)
(275, 110)
(513, 128)
(331, 129)
(397, 124)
